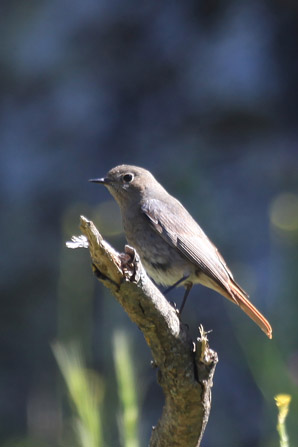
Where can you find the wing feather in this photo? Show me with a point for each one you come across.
(179, 229)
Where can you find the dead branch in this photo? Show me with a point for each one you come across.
(185, 368)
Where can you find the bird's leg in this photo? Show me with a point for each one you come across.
(176, 284)
(187, 290)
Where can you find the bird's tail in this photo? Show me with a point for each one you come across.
(238, 296)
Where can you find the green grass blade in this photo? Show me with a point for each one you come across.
(85, 392)
(126, 390)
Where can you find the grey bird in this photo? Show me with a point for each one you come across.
(172, 246)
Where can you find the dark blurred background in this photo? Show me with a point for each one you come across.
(203, 94)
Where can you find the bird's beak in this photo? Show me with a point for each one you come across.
(103, 181)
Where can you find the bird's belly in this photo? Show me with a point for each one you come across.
(163, 262)
(166, 274)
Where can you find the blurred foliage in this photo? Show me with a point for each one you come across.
(85, 392)
(203, 94)
(126, 389)
(282, 403)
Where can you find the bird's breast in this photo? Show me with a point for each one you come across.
(162, 261)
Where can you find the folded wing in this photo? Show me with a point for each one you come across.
(181, 231)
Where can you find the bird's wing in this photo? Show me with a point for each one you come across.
(179, 229)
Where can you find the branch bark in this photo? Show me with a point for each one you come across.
(185, 368)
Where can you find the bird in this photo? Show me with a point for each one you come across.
(173, 248)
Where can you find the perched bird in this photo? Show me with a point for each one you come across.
(172, 246)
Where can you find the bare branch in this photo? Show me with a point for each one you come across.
(185, 368)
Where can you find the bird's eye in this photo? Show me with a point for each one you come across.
(127, 178)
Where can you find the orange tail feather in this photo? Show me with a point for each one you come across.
(239, 297)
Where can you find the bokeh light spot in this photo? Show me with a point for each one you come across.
(284, 212)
